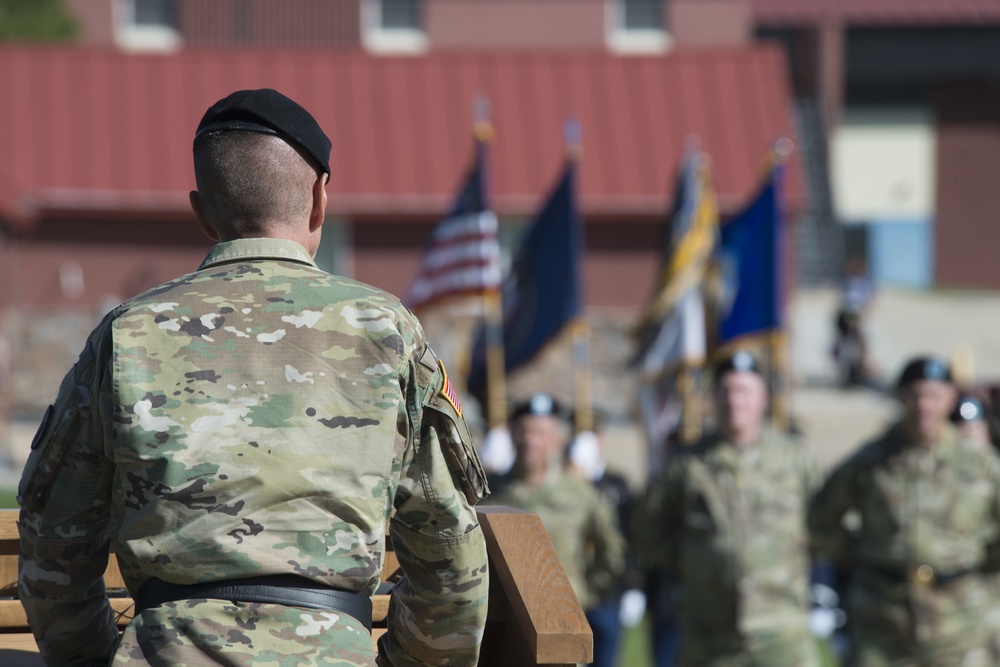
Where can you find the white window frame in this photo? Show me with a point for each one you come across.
(379, 39)
(132, 37)
(637, 41)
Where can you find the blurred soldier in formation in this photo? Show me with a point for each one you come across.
(624, 604)
(728, 517)
(916, 516)
(581, 525)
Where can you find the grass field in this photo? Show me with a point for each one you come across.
(8, 498)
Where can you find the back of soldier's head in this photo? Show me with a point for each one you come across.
(250, 181)
(257, 156)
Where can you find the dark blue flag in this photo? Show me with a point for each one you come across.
(751, 258)
(541, 294)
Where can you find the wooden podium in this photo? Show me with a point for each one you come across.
(534, 617)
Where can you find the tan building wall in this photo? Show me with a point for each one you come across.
(536, 24)
(709, 22)
(95, 20)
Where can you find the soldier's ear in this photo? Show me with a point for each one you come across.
(318, 213)
(199, 213)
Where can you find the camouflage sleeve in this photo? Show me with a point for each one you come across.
(437, 612)
(991, 557)
(656, 523)
(607, 566)
(835, 498)
(65, 524)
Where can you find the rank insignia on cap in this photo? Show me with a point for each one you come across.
(934, 369)
(743, 361)
(448, 390)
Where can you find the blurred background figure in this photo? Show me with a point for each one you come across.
(913, 515)
(728, 517)
(582, 526)
(850, 348)
(625, 604)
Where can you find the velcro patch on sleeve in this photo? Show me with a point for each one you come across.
(448, 390)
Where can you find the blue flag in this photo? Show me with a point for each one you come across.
(751, 257)
(542, 292)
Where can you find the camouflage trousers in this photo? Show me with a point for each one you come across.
(215, 632)
(795, 648)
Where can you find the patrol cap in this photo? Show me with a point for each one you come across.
(739, 361)
(267, 111)
(925, 368)
(968, 409)
(539, 404)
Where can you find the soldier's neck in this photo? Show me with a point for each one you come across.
(741, 437)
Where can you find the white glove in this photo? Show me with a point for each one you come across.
(496, 452)
(585, 454)
(822, 622)
(632, 608)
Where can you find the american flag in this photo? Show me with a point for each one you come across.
(463, 255)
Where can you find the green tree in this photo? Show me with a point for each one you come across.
(36, 21)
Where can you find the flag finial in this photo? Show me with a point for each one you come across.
(783, 147)
(573, 138)
(482, 128)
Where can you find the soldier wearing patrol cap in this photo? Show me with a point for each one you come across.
(728, 519)
(580, 524)
(915, 515)
(241, 435)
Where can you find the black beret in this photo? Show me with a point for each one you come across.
(268, 111)
(539, 405)
(925, 368)
(740, 360)
(969, 409)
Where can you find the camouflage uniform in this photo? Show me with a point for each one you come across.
(730, 523)
(256, 417)
(917, 525)
(580, 524)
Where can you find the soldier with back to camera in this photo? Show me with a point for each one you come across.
(241, 435)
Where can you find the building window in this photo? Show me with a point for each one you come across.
(394, 26)
(147, 25)
(636, 26)
(642, 14)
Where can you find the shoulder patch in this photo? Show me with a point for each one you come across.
(448, 390)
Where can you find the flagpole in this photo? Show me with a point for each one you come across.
(582, 371)
(492, 300)
(496, 374)
(691, 408)
(778, 338)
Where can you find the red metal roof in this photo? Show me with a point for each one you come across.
(895, 13)
(100, 130)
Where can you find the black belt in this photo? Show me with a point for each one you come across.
(286, 589)
(923, 575)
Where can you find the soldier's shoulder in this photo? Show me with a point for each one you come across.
(871, 453)
(571, 486)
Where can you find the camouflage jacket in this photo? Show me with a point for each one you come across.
(916, 524)
(580, 524)
(258, 416)
(730, 523)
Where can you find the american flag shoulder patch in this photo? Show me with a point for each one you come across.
(448, 390)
